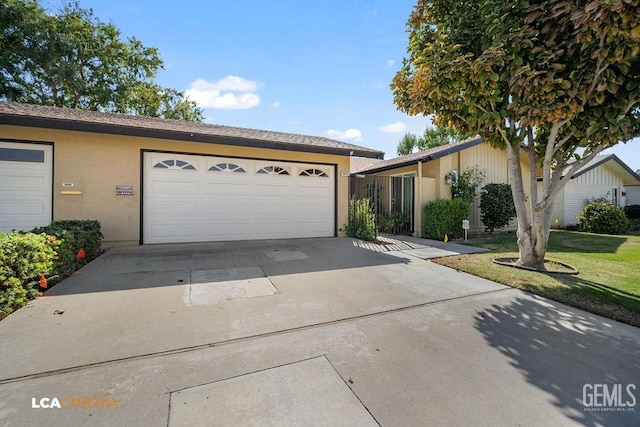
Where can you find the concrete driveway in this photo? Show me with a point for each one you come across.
(307, 332)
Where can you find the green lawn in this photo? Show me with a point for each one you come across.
(608, 283)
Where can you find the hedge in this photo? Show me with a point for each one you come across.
(25, 258)
(46, 256)
(444, 216)
(86, 234)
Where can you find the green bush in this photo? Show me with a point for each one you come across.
(87, 235)
(362, 224)
(496, 206)
(632, 211)
(396, 222)
(24, 258)
(65, 262)
(603, 217)
(634, 225)
(444, 216)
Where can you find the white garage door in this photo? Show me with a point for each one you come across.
(199, 198)
(25, 185)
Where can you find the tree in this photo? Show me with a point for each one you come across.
(439, 135)
(72, 59)
(551, 82)
(407, 144)
(433, 137)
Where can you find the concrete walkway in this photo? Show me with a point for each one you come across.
(304, 332)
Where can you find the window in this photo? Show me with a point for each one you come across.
(314, 172)
(273, 170)
(614, 196)
(21, 155)
(226, 167)
(174, 164)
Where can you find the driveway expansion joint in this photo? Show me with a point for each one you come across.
(243, 339)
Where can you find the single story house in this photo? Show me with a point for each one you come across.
(606, 177)
(150, 180)
(427, 171)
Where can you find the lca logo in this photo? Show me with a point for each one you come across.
(609, 397)
(73, 402)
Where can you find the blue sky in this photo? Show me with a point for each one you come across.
(312, 67)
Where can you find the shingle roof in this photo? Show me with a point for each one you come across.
(12, 113)
(359, 163)
(421, 156)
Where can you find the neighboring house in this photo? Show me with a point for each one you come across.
(150, 180)
(426, 171)
(604, 177)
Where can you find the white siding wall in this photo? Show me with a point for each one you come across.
(633, 195)
(598, 182)
(494, 161)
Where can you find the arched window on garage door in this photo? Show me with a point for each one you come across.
(227, 167)
(273, 170)
(174, 164)
(314, 172)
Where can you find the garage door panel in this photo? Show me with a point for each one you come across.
(19, 208)
(186, 231)
(173, 188)
(173, 208)
(273, 189)
(242, 208)
(229, 199)
(224, 188)
(26, 185)
(228, 231)
(23, 181)
(267, 209)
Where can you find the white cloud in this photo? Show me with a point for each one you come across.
(353, 134)
(229, 93)
(397, 127)
(390, 62)
(276, 104)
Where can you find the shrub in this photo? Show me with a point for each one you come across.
(362, 224)
(466, 185)
(396, 222)
(603, 217)
(65, 262)
(444, 216)
(496, 206)
(24, 258)
(87, 235)
(634, 225)
(632, 211)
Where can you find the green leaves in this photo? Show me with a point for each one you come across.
(72, 59)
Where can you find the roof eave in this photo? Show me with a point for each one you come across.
(112, 129)
(426, 158)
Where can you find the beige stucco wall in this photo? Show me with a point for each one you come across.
(95, 163)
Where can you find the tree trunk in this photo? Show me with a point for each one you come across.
(534, 222)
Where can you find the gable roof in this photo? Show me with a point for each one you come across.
(12, 113)
(617, 166)
(421, 156)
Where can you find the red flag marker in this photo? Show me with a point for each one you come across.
(80, 254)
